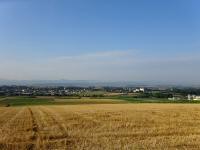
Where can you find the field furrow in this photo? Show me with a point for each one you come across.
(6, 115)
(124, 126)
(14, 129)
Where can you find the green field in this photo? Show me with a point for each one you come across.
(151, 100)
(22, 101)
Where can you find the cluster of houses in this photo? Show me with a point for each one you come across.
(193, 97)
(189, 97)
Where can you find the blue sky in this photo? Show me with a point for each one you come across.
(120, 40)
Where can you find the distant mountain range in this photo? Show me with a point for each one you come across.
(87, 83)
(77, 83)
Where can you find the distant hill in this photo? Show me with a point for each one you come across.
(87, 83)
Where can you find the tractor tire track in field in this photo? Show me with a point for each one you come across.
(35, 131)
(7, 131)
(54, 133)
(7, 113)
(57, 122)
(8, 125)
(81, 123)
(12, 119)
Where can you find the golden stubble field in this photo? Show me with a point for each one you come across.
(101, 126)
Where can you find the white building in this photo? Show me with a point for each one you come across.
(174, 98)
(196, 98)
(193, 97)
(139, 90)
(189, 97)
(142, 89)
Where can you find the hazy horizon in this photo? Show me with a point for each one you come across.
(100, 40)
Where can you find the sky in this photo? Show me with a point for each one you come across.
(104, 40)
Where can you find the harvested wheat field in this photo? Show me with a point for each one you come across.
(101, 126)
